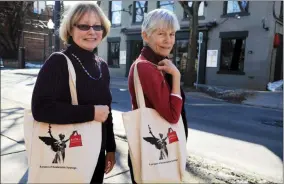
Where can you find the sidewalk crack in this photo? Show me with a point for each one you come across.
(13, 153)
(20, 142)
(117, 174)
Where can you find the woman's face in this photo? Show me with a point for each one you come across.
(87, 39)
(161, 41)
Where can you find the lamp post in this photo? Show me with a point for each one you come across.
(50, 26)
(56, 19)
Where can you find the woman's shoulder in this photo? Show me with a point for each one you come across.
(148, 71)
(55, 61)
(56, 57)
(146, 66)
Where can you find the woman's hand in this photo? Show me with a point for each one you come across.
(110, 161)
(101, 113)
(168, 67)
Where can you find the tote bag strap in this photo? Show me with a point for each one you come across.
(72, 79)
(138, 88)
(137, 85)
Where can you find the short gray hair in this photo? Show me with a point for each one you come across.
(75, 13)
(160, 18)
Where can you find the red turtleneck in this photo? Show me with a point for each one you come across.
(156, 90)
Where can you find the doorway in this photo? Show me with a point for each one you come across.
(278, 72)
(135, 47)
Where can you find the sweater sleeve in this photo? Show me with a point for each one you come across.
(51, 99)
(110, 140)
(157, 91)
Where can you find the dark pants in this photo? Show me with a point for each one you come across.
(131, 169)
(98, 176)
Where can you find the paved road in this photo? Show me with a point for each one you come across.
(244, 138)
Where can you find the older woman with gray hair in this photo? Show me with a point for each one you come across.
(162, 93)
(82, 28)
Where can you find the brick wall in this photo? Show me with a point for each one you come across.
(34, 47)
(37, 46)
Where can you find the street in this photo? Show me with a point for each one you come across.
(243, 138)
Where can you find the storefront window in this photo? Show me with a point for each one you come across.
(181, 49)
(113, 57)
(181, 55)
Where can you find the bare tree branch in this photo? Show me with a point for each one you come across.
(12, 18)
(186, 8)
(241, 7)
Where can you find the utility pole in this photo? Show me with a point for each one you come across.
(56, 16)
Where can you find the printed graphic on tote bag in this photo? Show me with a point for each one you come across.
(58, 146)
(160, 143)
(172, 135)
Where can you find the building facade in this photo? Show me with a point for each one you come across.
(241, 41)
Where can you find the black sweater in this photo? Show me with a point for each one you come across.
(51, 99)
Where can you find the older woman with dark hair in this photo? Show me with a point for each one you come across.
(162, 92)
(82, 28)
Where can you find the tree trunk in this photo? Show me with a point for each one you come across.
(190, 73)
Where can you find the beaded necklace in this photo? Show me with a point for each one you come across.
(99, 66)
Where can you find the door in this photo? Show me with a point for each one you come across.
(134, 49)
(278, 72)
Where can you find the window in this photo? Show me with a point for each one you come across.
(181, 55)
(232, 55)
(139, 9)
(169, 5)
(181, 50)
(115, 12)
(236, 7)
(113, 54)
(200, 10)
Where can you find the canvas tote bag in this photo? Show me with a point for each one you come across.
(62, 153)
(157, 148)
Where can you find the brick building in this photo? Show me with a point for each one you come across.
(37, 39)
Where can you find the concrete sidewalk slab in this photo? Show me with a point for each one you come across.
(15, 132)
(120, 172)
(9, 146)
(13, 167)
